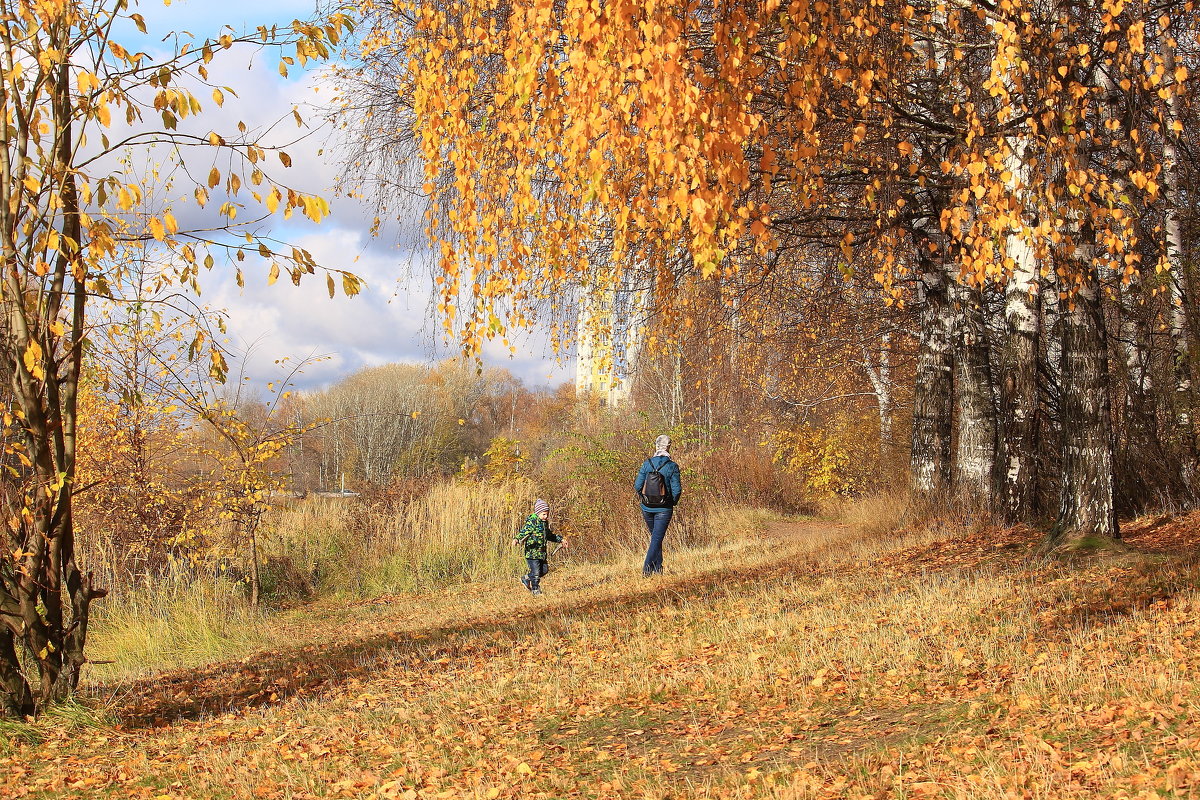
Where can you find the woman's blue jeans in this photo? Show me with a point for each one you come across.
(656, 524)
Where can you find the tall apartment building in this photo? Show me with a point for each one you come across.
(608, 336)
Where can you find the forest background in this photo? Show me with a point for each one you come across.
(939, 251)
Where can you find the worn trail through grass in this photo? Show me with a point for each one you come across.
(810, 661)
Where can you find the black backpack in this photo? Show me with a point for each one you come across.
(654, 489)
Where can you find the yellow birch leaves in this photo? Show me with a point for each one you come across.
(34, 363)
(553, 133)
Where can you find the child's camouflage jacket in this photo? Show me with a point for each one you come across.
(534, 534)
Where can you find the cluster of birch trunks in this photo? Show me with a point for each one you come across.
(1062, 391)
(1043, 407)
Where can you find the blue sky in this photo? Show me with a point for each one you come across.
(390, 321)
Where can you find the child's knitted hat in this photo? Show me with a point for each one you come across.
(540, 505)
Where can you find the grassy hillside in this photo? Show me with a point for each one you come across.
(815, 660)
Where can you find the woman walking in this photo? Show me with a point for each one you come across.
(658, 489)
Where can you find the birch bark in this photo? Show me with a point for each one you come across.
(1176, 258)
(1086, 508)
(879, 373)
(932, 396)
(975, 447)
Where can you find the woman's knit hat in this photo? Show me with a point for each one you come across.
(540, 505)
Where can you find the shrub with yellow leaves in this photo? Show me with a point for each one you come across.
(833, 460)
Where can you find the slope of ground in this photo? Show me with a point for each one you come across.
(812, 662)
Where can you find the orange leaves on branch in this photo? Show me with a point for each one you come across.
(651, 134)
(615, 123)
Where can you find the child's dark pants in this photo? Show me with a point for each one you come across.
(537, 568)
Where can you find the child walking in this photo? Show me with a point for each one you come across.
(533, 535)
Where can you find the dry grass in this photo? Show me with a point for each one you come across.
(457, 532)
(782, 660)
(876, 514)
(843, 679)
(339, 550)
(173, 623)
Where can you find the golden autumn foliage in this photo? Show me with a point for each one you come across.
(134, 502)
(832, 460)
(544, 129)
(503, 459)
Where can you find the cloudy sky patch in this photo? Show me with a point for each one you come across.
(391, 320)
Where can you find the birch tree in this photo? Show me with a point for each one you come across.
(66, 84)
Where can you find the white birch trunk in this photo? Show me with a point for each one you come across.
(676, 386)
(880, 376)
(975, 447)
(1018, 384)
(932, 392)
(1176, 259)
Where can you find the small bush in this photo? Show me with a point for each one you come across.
(281, 582)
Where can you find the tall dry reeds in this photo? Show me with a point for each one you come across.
(175, 620)
(457, 531)
(461, 531)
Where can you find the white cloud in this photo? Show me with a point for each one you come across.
(391, 320)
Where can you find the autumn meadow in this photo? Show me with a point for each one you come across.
(908, 291)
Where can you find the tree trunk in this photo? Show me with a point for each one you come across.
(255, 573)
(1086, 509)
(880, 376)
(1141, 458)
(883, 393)
(1051, 312)
(975, 450)
(932, 400)
(1176, 258)
(16, 696)
(1019, 398)
(1018, 378)
(65, 396)
(677, 386)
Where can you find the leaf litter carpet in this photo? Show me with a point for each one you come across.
(814, 662)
